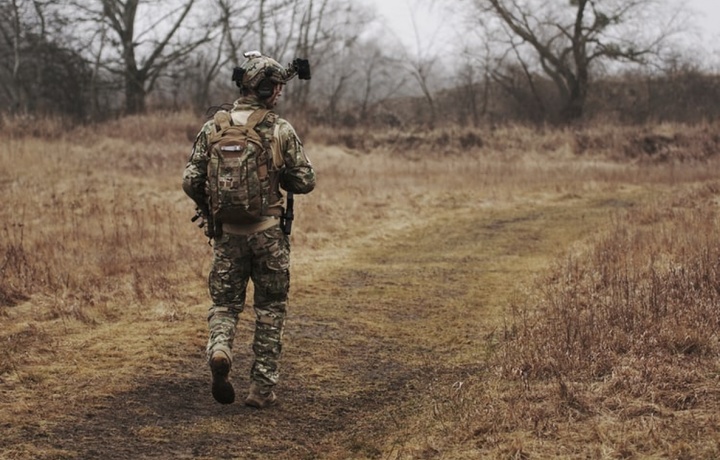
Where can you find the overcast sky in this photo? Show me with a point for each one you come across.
(398, 13)
(709, 15)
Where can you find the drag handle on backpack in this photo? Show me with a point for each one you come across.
(288, 216)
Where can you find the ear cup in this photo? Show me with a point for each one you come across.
(237, 76)
(265, 88)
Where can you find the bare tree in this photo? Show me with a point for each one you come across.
(100, 36)
(311, 37)
(420, 64)
(380, 78)
(145, 36)
(11, 29)
(468, 95)
(225, 47)
(38, 70)
(568, 37)
(322, 31)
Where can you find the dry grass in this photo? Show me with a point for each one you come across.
(508, 293)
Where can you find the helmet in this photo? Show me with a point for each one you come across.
(259, 73)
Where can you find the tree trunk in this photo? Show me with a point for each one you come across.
(134, 95)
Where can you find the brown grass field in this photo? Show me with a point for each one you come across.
(512, 293)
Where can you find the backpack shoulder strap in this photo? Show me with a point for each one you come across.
(271, 142)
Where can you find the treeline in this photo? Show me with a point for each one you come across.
(89, 60)
(687, 95)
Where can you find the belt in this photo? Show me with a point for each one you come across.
(248, 229)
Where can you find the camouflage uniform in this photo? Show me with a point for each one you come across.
(260, 252)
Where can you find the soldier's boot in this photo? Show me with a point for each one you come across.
(260, 396)
(222, 389)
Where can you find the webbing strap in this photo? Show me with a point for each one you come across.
(256, 117)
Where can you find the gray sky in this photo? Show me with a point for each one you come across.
(709, 16)
(398, 14)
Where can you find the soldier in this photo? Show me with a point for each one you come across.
(257, 251)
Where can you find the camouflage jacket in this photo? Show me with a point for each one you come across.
(296, 175)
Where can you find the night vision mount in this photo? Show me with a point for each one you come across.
(301, 67)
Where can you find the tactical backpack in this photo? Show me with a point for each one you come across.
(242, 174)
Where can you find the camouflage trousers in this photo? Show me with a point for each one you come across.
(264, 258)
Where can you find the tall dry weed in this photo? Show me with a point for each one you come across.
(96, 219)
(646, 296)
(34, 126)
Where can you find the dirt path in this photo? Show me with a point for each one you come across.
(374, 343)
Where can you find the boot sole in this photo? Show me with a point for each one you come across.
(222, 389)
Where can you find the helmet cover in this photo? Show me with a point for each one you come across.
(257, 68)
